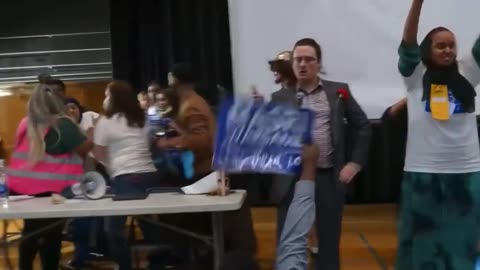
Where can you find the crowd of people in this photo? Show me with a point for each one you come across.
(164, 137)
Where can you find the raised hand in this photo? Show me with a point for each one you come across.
(256, 95)
(410, 30)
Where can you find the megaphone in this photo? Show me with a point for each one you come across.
(92, 185)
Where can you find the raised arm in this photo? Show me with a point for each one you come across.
(409, 51)
(300, 216)
(410, 29)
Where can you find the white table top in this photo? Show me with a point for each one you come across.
(165, 203)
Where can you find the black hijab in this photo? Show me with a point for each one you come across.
(461, 88)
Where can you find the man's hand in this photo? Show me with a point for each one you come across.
(173, 126)
(162, 143)
(257, 97)
(175, 142)
(348, 172)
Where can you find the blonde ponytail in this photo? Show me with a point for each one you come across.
(37, 144)
(44, 108)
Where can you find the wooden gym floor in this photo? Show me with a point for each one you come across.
(368, 238)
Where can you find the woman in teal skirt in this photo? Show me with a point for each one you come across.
(439, 227)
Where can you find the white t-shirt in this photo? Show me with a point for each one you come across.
(87, 120)
(127, 147)
(435, 146)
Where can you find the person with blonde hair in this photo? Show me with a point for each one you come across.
(47, 158)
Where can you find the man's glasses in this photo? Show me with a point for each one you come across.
(306, 59)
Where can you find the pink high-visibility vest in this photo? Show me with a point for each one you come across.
(52, 174)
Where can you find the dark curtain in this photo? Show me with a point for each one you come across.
(148, 36)
(379, 181)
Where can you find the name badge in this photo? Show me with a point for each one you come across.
(439, 104)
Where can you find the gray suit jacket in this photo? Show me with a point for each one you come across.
(343, 112)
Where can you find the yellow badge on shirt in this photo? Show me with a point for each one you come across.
(439, 104)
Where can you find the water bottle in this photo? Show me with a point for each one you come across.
(3, 185)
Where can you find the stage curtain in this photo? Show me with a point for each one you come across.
(148, 36)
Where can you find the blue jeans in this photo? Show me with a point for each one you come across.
(115, 226)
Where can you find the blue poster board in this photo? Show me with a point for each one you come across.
(260, 137)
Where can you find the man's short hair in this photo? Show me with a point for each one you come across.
(312, 43)
(183, 73)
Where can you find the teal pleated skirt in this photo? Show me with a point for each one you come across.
(439, 222)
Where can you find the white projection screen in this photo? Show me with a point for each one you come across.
(359, 39)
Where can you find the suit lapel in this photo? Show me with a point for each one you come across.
(331, 93)
(335, 112)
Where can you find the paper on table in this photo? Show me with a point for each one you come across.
(19, 197)
(75, 200)
(205, 185)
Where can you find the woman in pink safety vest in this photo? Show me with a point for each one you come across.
(47, 158)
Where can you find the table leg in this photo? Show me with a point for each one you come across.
(218, 240)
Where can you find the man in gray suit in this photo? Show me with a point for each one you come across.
(333, 106)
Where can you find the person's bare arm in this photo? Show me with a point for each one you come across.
(300, 216)
(99, 138)
(410, 30)
(83, 149)
(409, 51)
(100, 153)
(397, 108)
